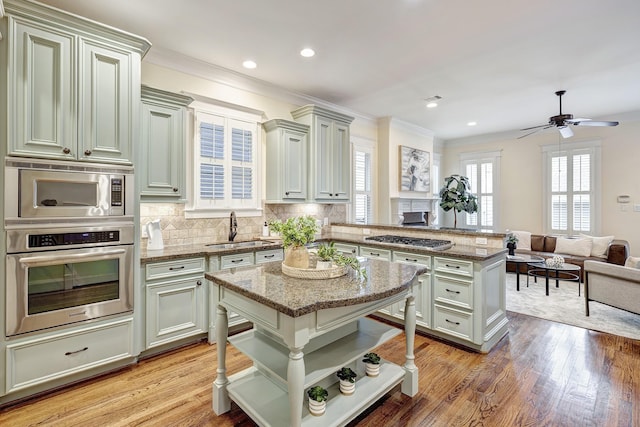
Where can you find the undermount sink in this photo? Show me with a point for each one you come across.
(235, 245)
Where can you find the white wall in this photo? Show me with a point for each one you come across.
(521, 176)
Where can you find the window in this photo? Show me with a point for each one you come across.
(362, 203)
(224, 162)
(571, 172)
(482, 169)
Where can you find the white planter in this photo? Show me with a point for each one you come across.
(372, 369)
(317, 408)
(323, 265)
(347, 387)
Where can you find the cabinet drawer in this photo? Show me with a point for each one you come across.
(453, 322)
(268, 256)
(375, 253)
(237, 260)
(181, 267)
(453, 291)
(39, 360)
(453, 266)
(411, 258)
(345, 249)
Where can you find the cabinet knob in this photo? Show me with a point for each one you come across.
(286, 193)
(87, 152)
(175, 189)
(66, 150)
(199, 283)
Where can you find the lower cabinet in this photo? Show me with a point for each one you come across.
(385, 254)
(422, 293)
(175, 301)
(38, 360)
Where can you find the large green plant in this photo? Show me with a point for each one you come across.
(456, 194)
(295, 231)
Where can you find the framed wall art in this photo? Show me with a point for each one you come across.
(415, 173)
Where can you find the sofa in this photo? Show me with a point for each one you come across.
(573, 250)
(614, 285)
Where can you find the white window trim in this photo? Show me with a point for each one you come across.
(233, 112)
(596, 181)
(370, 146)
(494, 157)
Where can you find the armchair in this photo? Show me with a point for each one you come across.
(611, 284)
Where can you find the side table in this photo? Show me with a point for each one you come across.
(523, 259)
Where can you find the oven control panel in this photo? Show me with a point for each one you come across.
(80, 238)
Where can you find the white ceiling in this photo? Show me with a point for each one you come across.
(496, 62)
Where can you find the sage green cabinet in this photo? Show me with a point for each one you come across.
(287, 151)
(329, 153)
(162, 167)
(73, 86)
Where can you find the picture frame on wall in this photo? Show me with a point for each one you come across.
(415, 171)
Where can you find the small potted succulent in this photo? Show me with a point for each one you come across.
(326, 255)
(317, 400)
(512, 243)
(372, 364)
(347, 381)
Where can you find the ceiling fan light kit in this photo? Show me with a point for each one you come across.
(562, 122)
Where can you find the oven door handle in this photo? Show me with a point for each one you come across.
(42, 260)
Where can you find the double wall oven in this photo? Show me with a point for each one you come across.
(70, 243)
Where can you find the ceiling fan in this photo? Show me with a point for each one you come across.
(562, 122)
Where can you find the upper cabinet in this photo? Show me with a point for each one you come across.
(73, 86)
(287, 150)
(162, 164)
(329, 153)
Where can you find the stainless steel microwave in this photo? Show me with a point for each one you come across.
(62, 190)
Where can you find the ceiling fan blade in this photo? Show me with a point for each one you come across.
(565, 131)
(536, 127)
(539, 128)
(594, 123)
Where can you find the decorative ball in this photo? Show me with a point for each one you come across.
(556, 261)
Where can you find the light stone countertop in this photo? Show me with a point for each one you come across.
(294, 297)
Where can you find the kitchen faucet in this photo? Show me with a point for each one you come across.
(233, 226)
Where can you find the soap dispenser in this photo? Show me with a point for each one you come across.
(265, 230)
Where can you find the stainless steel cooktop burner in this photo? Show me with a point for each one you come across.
(413, 241)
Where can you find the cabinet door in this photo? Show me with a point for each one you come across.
(295, 165)
(162, 152)
(106, 98)
(175, 310)
(323, 158)
(341, 162)
(41, 103)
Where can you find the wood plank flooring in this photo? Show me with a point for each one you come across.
(542, 374)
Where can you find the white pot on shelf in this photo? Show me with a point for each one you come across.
(347, 387)
(372, 369)
(317, 408)
(323, 265)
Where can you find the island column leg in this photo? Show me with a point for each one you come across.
(295, 384)
(221, 401)
(410, 383)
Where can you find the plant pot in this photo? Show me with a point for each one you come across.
(317, 408)
(296, 256)
(372, 369)
(347, 387)
(512, 248)
(323, 265)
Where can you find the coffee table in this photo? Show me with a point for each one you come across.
(569, 272)
(523, 259)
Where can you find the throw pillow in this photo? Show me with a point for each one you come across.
(600, 245)
(578, 247)
(524, 239)
(633, 262)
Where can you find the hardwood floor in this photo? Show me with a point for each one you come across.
(542, 374)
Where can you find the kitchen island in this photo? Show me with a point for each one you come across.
(306, 330)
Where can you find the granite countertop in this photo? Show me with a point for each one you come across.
(187, 251)
(447, 230)
(294, 297)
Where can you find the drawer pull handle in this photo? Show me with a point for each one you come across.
(270, 256)
(80, 313)
(373, 254)
(449, 321)
(452, 266)
(453, 292)
(237, 260)
(176, 268)
(411, 260)
(70, 353)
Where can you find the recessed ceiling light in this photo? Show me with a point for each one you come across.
(432, 104)
(472, 123)
(432, 101)
(307, 52)
(249, 64)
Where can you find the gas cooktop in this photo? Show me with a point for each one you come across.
(434, 244)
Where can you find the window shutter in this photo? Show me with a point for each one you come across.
(362, 183)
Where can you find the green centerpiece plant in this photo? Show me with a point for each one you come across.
(456, 194)
(296, 232)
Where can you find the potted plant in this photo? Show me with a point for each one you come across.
(326, 254)
(372, 364)
(352, 263)
(456, 194)
(347, 381)
(512, 243)
(317, 400)
(295, 232)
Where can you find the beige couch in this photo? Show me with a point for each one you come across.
(614, 285)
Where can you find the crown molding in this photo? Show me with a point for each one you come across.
(409, 127)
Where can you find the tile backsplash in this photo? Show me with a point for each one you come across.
(177, 230)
